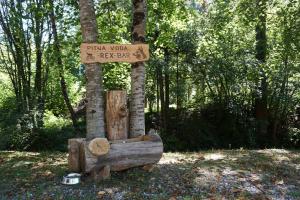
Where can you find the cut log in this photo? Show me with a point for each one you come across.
(122, 156)
(116, 115)
(74, 154)
(101, 174)
(99, 146)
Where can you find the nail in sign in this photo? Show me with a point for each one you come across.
(104, 53)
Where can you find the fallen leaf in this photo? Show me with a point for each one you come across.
(236, 190)
(279, 182)
(109, 191)
(200, 157)
(47, 173)
(176, 193)
(39, 165)
(101, 193)
(213, 189)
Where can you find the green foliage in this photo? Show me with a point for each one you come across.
(116, 76)
(214, 126)
(20, 136)
(294, 136)
(6, 93)
(202, 77)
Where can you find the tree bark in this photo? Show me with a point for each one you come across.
(94, 108)
(162, 99)
(157, 89)
(137, 104)
(39, 99)
(116, 115)
(167, 89)
(178, 105)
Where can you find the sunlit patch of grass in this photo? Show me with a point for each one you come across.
(214, 156)
(194, 175)
(20, 170)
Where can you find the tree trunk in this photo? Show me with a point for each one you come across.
(157, 89)
(39, 101)
(137, 116)
(162, 99)
(151, 102)
(261, 103)
(178, 105)
(116, 115)
(59, 63)
(167, 89)
(18, 49)
(94, 107)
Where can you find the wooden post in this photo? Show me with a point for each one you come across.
(74, 154)
(116, 115)
(101, 174)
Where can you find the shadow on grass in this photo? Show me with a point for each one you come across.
(209, 174)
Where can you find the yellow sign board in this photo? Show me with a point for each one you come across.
(104, 53)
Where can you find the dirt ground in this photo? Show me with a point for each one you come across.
(215, 174)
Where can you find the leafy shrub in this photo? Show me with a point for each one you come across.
(294, 136)
(19, 134)
(213, 126)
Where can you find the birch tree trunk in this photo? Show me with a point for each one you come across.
(137, 116)
(94, 106)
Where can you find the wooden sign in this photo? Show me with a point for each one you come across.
(104, 53)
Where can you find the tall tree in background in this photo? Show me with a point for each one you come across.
(59, 62)
(24, 28)
(137, 117)
(261, 99)
(94, 106)
(38, 18)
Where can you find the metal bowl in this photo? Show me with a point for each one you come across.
(71, 179)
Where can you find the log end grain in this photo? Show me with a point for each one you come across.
(99, 146)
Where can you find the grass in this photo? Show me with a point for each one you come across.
(218, 174)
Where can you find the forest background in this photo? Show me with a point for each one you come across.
(222, 74)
